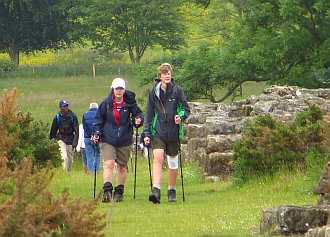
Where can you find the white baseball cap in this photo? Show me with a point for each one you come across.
(93, 105)
(118, 83)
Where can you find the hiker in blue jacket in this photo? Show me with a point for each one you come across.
(167, 108)
(92, 149)
(113, 127)
(65, 129)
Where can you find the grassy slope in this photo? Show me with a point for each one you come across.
(212, 209)
(41, 95)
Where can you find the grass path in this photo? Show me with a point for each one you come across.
(210, 209)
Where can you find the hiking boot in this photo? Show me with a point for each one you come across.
(171, 194)
(118, 194)
(155, 195)
(107, 189)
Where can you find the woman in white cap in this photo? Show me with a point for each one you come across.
(113, 127)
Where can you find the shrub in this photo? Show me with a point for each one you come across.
(33, 142)
(27, 207)
(6, 65)
(268, 146)
(28, 138)
(31, 210)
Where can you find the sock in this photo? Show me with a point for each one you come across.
(157, 186)
(171, 187)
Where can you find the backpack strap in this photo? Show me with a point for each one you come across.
(58, 118)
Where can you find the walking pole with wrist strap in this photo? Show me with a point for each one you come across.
(136, 140)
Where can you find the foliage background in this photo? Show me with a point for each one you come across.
(229, 43)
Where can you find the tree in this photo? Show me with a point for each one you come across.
(27, 26)
(135, 25)
(279, 41)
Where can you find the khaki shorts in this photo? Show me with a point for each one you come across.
(120, 154)
(171, 148)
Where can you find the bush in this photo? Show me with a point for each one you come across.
(268, 146)
(6, 65)
(33, 142)
(31, 210)
(27, 207)
(23, 137)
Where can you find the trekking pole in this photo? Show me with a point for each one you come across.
(132, 162)
(183, 198)
(149, 168)
(94, 146)
(136, 140)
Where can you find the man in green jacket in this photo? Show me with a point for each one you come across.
(167, 108)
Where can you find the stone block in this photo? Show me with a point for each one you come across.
(195, 130)
(288, 220)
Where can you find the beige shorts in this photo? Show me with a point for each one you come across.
(120, 154)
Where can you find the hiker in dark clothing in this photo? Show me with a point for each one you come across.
(167, 108)
(113, 127)
(65, 129)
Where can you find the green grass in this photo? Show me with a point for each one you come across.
(210, 209)
(41, 95)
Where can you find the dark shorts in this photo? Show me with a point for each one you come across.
(171, 148)
(120, 154)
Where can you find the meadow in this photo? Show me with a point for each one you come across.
(222, 208)
(41, 95)
(210, 209)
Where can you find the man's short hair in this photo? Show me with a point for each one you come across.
(164, 68)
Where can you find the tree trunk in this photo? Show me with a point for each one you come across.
(13, 52)
(131, 54)
(232, 88)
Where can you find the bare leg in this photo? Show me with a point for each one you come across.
(172, 175)
(108, 171)
(157, 168)
(121, 174)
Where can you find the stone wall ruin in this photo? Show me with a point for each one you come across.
(212, 129)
